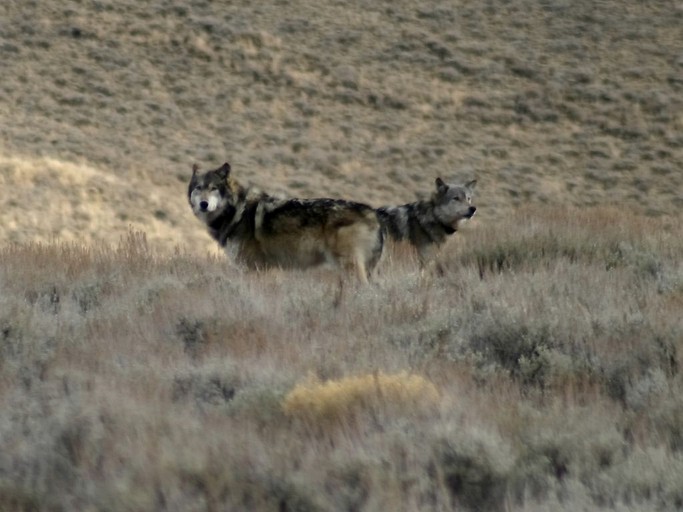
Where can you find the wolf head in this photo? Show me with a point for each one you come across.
(453, 203)
(210, 193)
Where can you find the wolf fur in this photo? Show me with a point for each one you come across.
(427, 224)
(266, 231)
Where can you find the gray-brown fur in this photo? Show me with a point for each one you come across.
(266, 231)
(427, 224)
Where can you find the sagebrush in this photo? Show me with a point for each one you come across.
(137, 379)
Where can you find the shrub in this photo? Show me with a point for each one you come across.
(214, 389)
(475, 468)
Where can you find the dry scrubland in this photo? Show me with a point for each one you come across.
(542, 372)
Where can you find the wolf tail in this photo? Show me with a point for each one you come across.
(377, 249)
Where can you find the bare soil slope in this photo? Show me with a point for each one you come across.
(105, 106)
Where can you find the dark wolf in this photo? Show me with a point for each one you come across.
(265, 231)
(427, 224)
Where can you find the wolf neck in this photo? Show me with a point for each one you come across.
(449, 230)
(227, 224)
(218, 227)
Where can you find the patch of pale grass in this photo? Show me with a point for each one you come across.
(332, 401)
(88, 199)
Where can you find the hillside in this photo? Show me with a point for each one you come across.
(106, 105)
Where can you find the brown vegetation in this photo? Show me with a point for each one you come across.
(537, 379)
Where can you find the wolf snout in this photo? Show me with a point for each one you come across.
(204, 205)
(471, 211)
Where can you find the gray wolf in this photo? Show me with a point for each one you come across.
(265, 231)
(427, 224)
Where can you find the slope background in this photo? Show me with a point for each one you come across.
(104, 106)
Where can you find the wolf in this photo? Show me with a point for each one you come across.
(265, 231)
(427, 224)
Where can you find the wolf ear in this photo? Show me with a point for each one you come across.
(195, 168)
(441, 187)
(224, 170)
(470, 185)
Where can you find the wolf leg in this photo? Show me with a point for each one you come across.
(361, 269)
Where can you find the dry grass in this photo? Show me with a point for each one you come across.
(134, 379)
(321, 404)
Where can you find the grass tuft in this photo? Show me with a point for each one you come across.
(335, 401)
